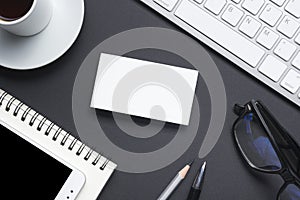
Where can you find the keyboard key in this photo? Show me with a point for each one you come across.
(279, 2)
(270, 15)
(296, 61)
(267, 38)
(288, 27)
(167, 4)
(272, 68)
(298, 39)
(293, 7)
(215, 6)
(253, 6)
(199, 1)
(216, 31)
(250, 26)
(232, 15)
(291, 81)
(285, 50)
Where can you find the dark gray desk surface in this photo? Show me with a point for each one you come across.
(49, 90)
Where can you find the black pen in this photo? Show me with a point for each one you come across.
(197, 185)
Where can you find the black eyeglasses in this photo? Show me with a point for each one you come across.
(267, 147)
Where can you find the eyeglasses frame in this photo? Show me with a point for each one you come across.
(286, 171)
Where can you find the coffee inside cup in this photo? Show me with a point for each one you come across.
(11, 10)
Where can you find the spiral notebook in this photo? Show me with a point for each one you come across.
(96, 168)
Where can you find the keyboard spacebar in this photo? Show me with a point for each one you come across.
(219, 33)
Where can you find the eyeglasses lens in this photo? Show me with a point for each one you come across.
(255, 144)
(291, 192)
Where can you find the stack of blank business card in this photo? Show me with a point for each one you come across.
(145, 89)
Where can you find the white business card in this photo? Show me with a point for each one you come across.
(145, 89)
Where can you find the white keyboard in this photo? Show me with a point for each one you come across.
(260, 36)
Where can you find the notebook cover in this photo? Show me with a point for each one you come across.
(95, 177)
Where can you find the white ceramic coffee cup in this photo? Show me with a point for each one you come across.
(33, 22)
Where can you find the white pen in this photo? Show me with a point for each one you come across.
(175, 182)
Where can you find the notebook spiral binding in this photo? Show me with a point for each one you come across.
(34, 119)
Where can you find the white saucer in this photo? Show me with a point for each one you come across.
(23, 53)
